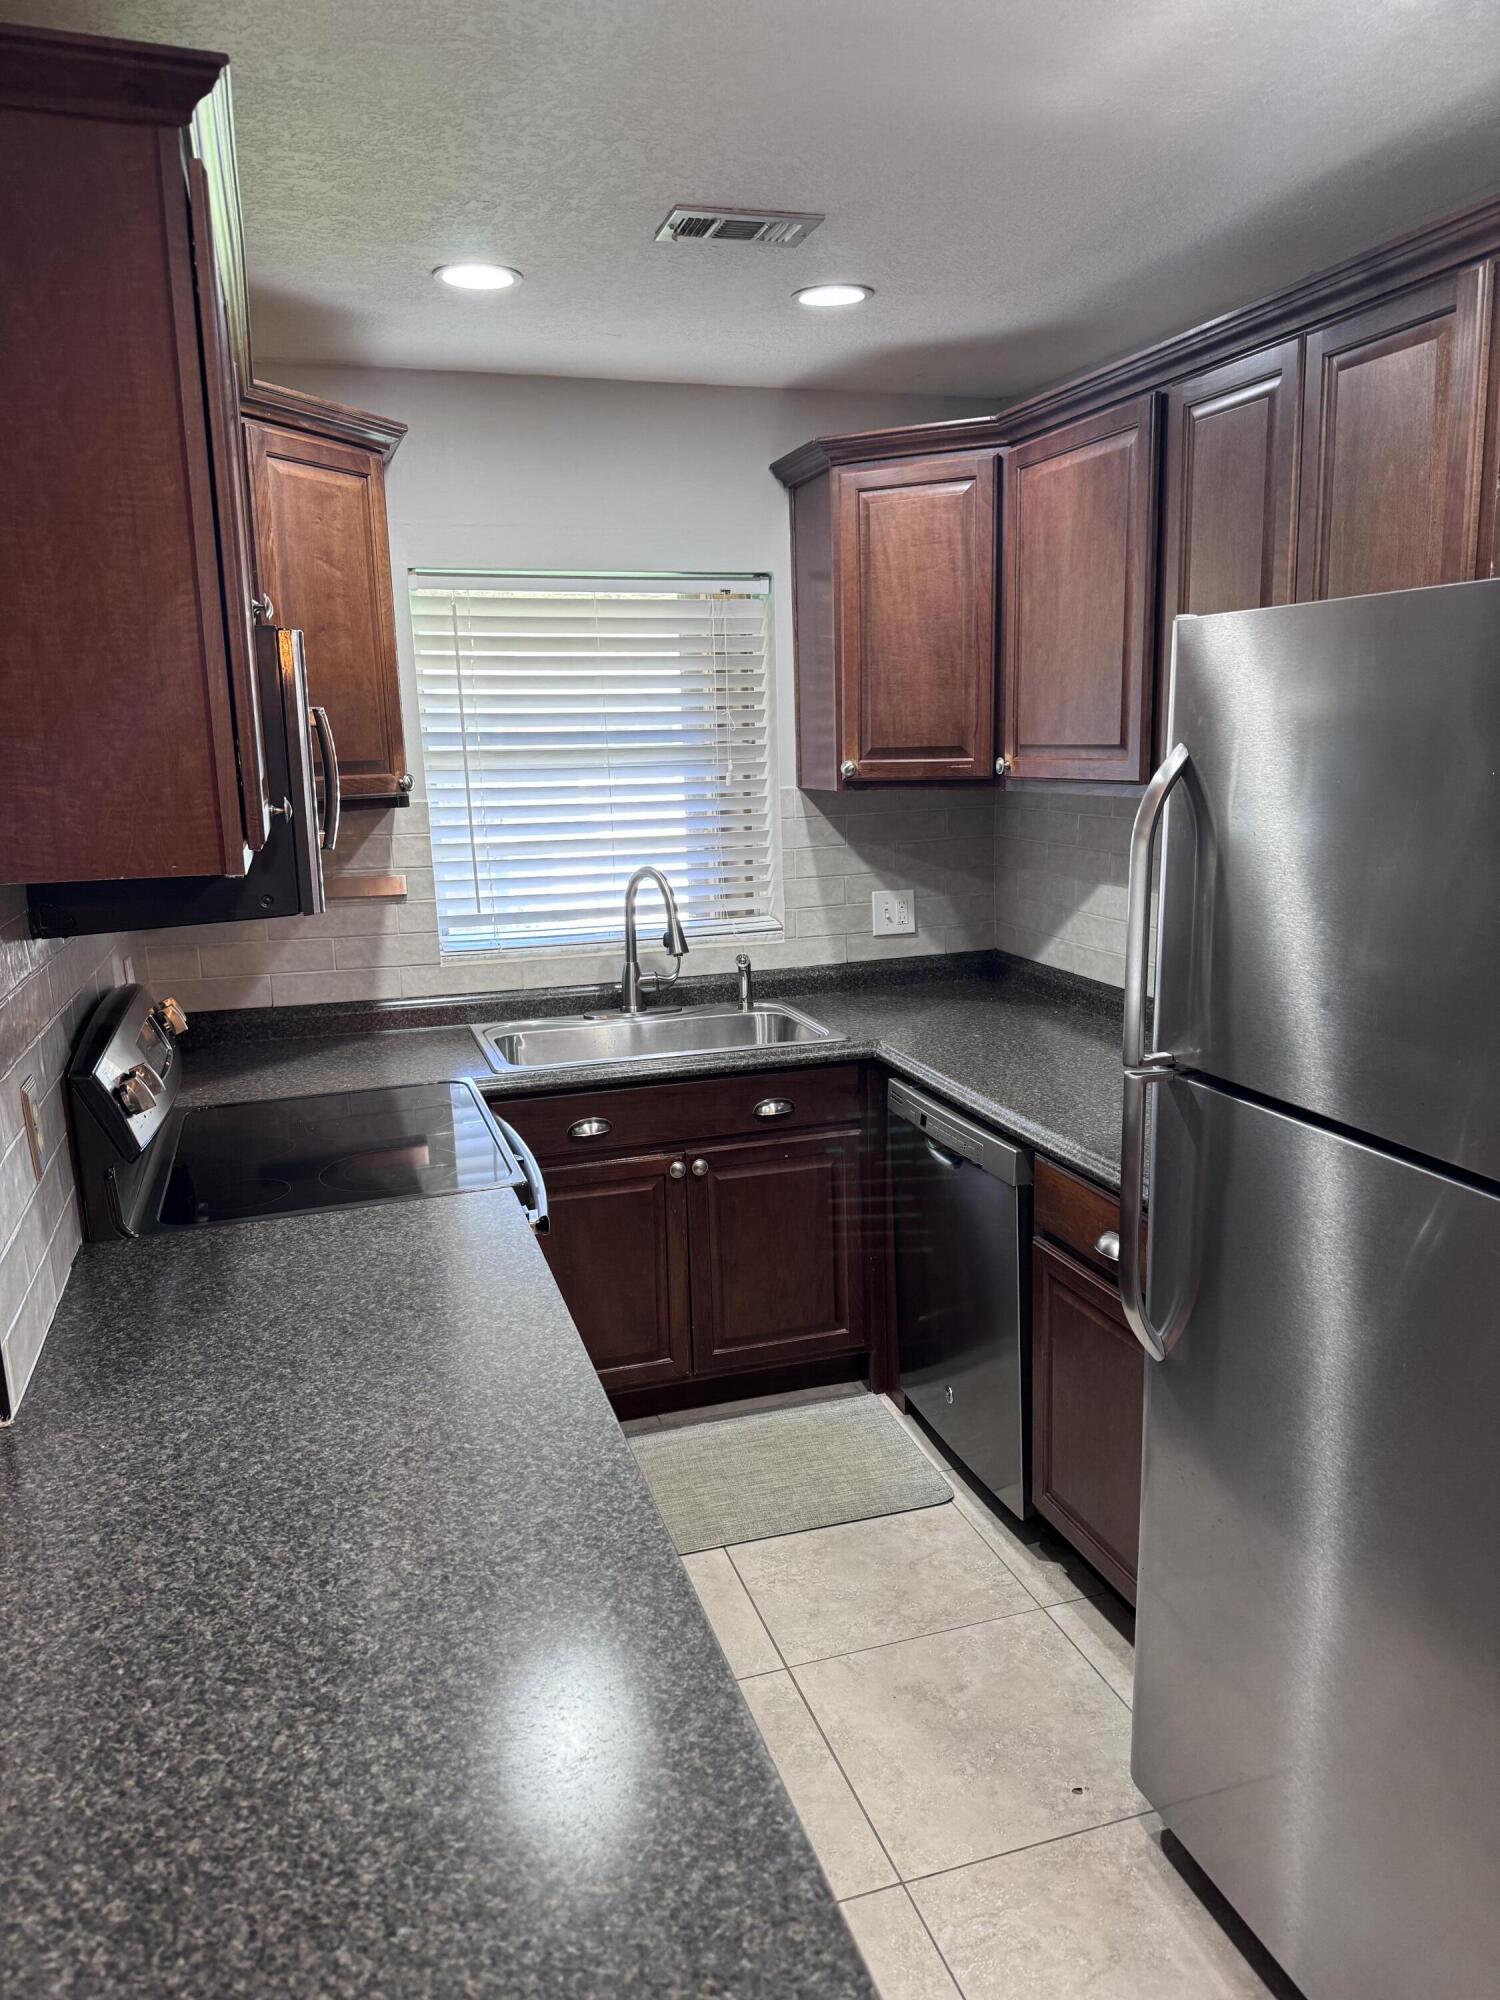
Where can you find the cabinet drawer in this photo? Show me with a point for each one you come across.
(1076, 1213)
(674, 1114)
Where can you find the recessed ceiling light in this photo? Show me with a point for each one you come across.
(478, 277)
(834, 295)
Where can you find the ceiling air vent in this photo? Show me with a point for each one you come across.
(696, 223)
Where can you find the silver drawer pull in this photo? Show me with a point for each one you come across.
(775, 1107)
(1108, 1246)
(589, 1128)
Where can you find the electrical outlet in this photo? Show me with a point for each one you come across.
(32, 1126)
(892, 912)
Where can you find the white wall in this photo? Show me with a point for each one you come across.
(518, 472)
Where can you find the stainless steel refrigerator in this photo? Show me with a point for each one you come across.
(1315, 1118)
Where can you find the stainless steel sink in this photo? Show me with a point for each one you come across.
(568, 1041)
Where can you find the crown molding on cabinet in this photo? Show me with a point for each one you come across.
(1411, 259)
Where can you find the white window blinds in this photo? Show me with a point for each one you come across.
(573, 730)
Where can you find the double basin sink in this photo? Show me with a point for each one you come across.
(568, 1041)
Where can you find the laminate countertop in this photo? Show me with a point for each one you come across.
(1033, 1052)
(345, 1652)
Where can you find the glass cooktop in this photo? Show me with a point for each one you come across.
(233, 1161)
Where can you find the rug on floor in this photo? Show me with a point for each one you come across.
(777, 1472)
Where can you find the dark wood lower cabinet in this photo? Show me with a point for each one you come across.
(1086, 1385)
(618, 1250)
(744, 1250)
(775, 1269)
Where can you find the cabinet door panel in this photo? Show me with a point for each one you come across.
(617, 1248)
(1230, 492)
(324, 561)
(916, 558)
(1390, 443)
(117, 748)
(775, 1267)
(1087, 1389)
(1078, 521)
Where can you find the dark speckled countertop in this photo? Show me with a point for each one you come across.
(345, 1653)
(1034, 1053)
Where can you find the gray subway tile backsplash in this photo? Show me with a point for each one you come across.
(46, 988)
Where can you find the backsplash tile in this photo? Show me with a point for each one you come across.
(1060, 871)
(834, 852)
(46, 989)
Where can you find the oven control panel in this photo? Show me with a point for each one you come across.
(123, 1077)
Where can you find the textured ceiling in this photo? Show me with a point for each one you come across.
(1031, 185)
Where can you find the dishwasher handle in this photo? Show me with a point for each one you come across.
(941, 1154)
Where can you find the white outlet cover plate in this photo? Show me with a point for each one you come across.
(893, 912)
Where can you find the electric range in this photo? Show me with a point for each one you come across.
(146, 1164)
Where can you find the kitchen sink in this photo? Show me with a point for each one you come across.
(568, 1041)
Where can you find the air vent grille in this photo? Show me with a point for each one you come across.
(697, 223)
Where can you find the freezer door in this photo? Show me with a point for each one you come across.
(1317, 1694)
(1331, 875)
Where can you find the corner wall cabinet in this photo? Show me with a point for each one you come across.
(895, 605)
(322, 548)
(1340, 437)
(129, 733)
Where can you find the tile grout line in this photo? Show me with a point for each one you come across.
(1025, 1847)
(912, 1638)
(911, 1904)
(1050, 1609)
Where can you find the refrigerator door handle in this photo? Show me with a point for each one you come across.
(1142, 1070)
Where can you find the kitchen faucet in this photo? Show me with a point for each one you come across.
(672, 939)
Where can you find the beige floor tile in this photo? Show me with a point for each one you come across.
(1051, 1572)
(866, 1583)
(841, 1835)
(1102, 1913)
(967, 1744)
(1103, 1630)
(736, 1623)
(897, 1948)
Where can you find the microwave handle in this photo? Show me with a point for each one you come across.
(330, 758)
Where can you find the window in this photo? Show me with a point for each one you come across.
(576, 728)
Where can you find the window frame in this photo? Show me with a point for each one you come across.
(770, 926)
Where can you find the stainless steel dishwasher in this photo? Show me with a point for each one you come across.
(961, 1208)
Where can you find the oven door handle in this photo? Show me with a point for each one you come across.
(536, 1188)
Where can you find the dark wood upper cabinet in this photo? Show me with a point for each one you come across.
(1391, 439)
(1078, 594)
(775, 1264)
(1229, 498)
(128, 739)
(617, 1247)
(323, 559)
(895, 602)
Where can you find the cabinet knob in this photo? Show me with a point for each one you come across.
(848, 769)
(775, 1107)
(700, 1168)
(1002, 765)
(589, 1128)
(1108, 1245)
(678, 1170)
(263, 610)
(405, 782)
